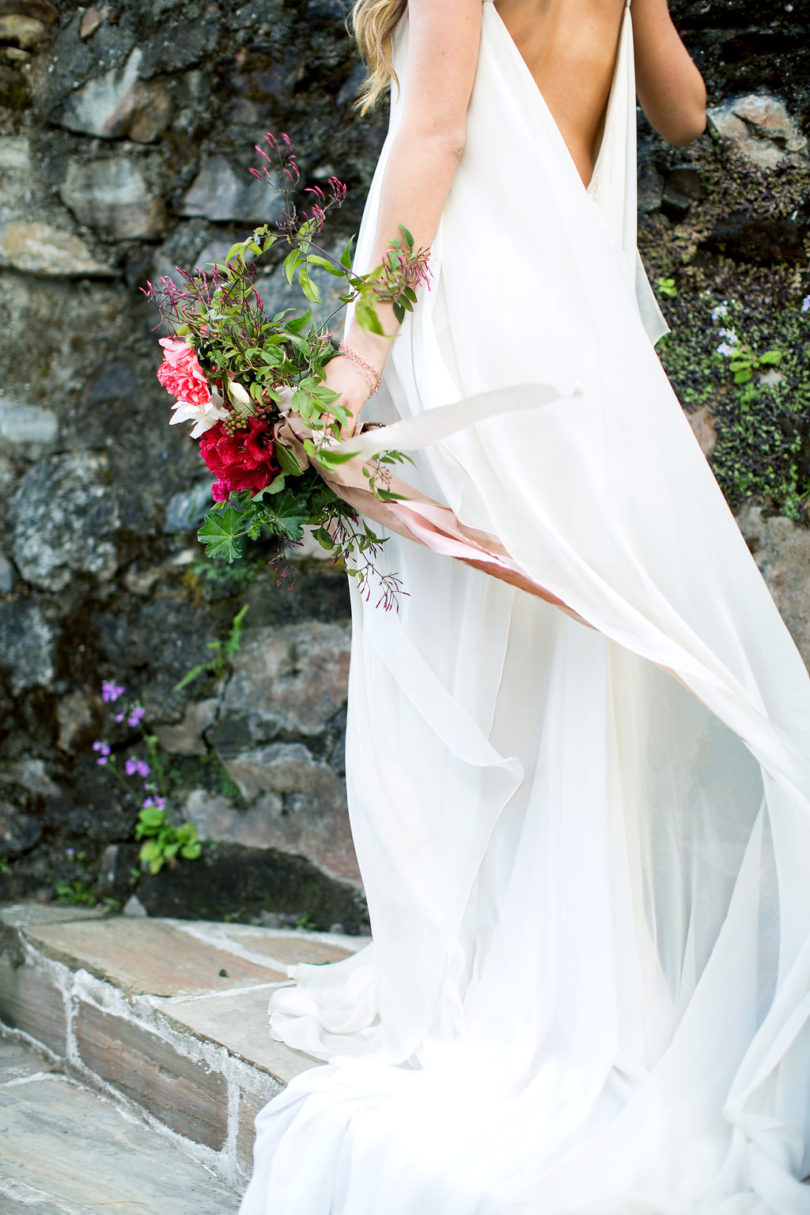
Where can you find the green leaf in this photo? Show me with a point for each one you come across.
(346, 255)
(315, 259)
(235, 250)
(366, 317)
(771, 357)
(222, 535)
(742, 377)
(291, 263)
(191, 851)
(190, 676)
(309, 288)
(286, 516)
(299, 323)
(332, 459)
(385, 495)
(323, 537)
(407, 235)
(287, 460)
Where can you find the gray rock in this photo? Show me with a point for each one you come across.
(24, 30)
(39, 248)
(186, 510)
(187, 737)
(106, 869)
(26, 645)
(782, 551)
(118, 103)
(299, 807)
(702, 423)
(134, 907)
(32, 775)
(291, 679)
(27, 423)
(6, 575)
(104, 105)
(760, 127)
(18, 832)
(65, 515)
(15, 176)
(112, 196)
(74, 713)
(650, 188)
(219, 192)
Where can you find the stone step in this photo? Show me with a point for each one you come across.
(67, 1150)
(168, 1016)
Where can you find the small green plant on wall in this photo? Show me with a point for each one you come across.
(749, 361)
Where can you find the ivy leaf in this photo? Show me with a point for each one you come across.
(287, 516)
(222, 535)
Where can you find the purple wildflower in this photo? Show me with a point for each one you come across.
(154, 803)
(135, 715)
(103, 751)
(111, 691)
(137, 767)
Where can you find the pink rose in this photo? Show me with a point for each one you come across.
(180, 373)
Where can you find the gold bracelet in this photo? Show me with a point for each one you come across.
(370, 374)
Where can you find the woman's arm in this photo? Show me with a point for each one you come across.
(670, 87)
(442, 57)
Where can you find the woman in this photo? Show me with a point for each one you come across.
(581, 814)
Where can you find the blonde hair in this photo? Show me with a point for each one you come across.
(373, 23)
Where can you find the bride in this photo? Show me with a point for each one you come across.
(580, 803)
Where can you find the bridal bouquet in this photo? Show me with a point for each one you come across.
(252, 385)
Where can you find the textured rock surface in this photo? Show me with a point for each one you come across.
(65, 515)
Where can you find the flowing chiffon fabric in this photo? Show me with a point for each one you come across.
(585, 842)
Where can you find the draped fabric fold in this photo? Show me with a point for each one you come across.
(584, 834)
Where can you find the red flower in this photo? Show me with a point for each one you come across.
(241, 461)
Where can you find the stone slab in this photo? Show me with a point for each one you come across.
(182, 1092)
(67, 1151)
(238, 1021)
(249, 1107)
(30, 1001)
(144, 956)
(19, 915)
(278, 947)
(18, 1062)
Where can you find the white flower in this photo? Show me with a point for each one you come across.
(726, 350)
(806, 304)
(203, 416)
(719, 310)
(730, 336)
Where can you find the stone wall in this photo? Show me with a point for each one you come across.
(126, 132)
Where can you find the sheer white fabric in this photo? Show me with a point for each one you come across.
(585, 849)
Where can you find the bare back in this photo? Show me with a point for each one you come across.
(569, 47)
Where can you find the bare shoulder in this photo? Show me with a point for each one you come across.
(670, 87)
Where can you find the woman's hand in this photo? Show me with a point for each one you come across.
(344, 377)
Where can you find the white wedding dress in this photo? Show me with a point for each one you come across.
(586, 846)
